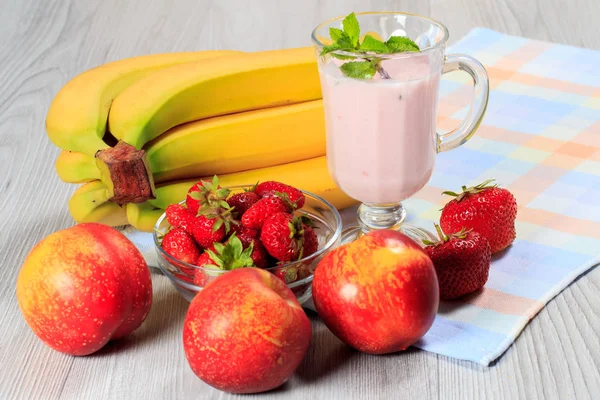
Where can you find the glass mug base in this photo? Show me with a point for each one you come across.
(384, 216)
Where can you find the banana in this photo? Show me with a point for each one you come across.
(78, 114)
(239, 142)
(75, 167)
(91, 200)
(310, 175)
(90, 203)
(143, 216)
(224, 85)
(222, 145)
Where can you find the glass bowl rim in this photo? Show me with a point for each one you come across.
(326, 247)
(441, 42)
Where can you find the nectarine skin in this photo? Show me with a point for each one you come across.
(379, 294)
(83, 286)
(245, 332)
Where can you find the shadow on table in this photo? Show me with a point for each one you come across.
(326, 355)
(167, 313)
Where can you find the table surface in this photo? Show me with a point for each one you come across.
(46, 42)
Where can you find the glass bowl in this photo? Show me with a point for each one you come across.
(297, 274)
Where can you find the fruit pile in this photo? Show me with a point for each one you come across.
(245, 331)
(478, 222)
(220, 231)
(139, 132)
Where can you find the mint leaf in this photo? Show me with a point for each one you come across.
(359, 69)
(336, 33)
(348, 40)
(352, 28)
(398, 44)
(329, 49)
(371, 44)
(343, 43)
(343, 57)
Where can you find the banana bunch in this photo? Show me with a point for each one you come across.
(139, 132)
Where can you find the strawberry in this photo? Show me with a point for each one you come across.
(489, 210)
(270, 188)
(201, 276)
(259, 254)
(232, 255)
(287, 274)
(225, 257)
(179, 216)
(205, 259)
(241, 202)
(206, 194)
(311, 241)
(461, 260)
(246, 235)
(207, 231)
(180, 244)
(249, 237)
(292, 273)
(260, 211)
(283, 235)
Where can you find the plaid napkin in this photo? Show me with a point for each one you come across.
(540, 138)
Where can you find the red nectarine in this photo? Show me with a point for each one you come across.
(83, 286)
(379, 294)
(245, 332)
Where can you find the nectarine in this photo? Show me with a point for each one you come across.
(83, 286)
(379, 294)
(245, 332)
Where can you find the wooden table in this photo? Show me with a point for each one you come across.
(46, 42)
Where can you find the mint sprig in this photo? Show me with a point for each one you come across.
(348, 40)
(371, 44)
(359, 69)
(399, 44)
(352, 28)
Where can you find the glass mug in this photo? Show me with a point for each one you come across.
(381, 135)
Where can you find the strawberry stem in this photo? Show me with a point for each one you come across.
(462, 234)
(440, 233)
(471, 190)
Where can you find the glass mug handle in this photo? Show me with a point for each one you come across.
(462, 62)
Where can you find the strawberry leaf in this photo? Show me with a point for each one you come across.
(218, 223)
(306, 220)
(450, 193)
(290, 274)
(196, 195)
(471, 190)
(252, 188)
(219, 247)
(223, 193)
(215, 258)
(234, 256)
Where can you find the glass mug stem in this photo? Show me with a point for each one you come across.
(380, 216)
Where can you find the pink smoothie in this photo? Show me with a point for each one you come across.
(381, 141)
